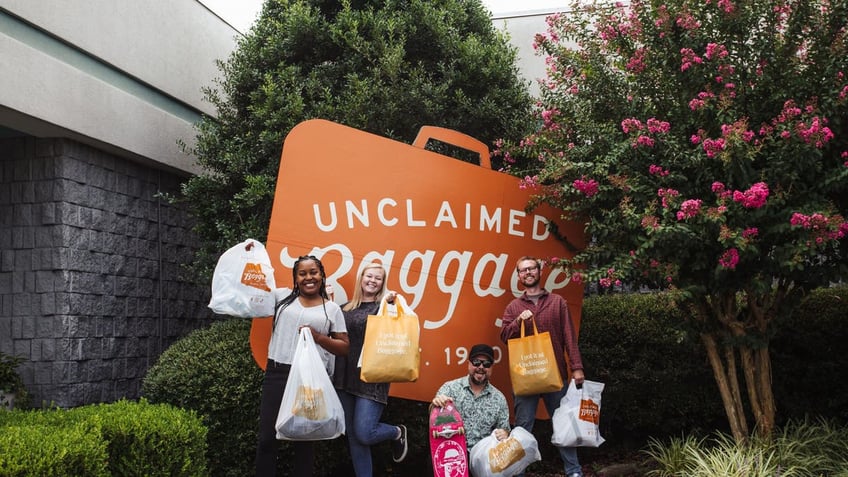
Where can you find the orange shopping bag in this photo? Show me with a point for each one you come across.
(532, 363)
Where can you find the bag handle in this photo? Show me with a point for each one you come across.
(400, 303)
(454, 138)
(523, 324)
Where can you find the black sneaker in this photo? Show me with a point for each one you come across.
(399, 447)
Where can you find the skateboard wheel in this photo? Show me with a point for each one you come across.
(462, 430)
(435, 434)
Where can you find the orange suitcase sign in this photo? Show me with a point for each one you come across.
(448, 232)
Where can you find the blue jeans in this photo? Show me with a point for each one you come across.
(525, 416)
(364, 429)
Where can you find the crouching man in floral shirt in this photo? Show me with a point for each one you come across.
(483, 408)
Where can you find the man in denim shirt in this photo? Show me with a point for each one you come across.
(483, 408)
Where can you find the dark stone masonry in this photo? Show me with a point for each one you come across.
(92, 288)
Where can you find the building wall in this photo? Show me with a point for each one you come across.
(91, 289)
(121, 75)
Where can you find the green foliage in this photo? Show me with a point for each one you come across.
(212, 372)
(150, 440)
(10, 380)
(122, 438)
(51, 451)
(689, 135)
(386, 67)
(808, 357)
(657, 380)
(802, 449)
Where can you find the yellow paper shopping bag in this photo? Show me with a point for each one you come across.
(532, 363)
(390, 352)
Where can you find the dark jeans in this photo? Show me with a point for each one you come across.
(267, 447)
(364, 429)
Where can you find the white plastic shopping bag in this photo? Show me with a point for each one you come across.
(575, 421)
(311, 409)
(493, 458)
(242, 282)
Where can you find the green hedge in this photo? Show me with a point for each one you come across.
(657, 379)
(120, 439)
(809, 360)
(212, 372)
(42, 450)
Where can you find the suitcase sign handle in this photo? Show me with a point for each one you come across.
(453, 138)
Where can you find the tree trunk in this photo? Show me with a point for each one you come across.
(765, 425)
(726, 380)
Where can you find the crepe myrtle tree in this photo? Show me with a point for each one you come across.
(383, 66)
(703, 143)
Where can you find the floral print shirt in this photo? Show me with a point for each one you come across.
(481, 414)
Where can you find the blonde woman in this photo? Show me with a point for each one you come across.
(364, 402)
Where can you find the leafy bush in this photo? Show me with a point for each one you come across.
(212, 372)
(122, 438)
(46, 450)
(808, 358)
(385, 67)
(658, 382)
(149, 440)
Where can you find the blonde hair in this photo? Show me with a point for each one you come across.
(357, 292)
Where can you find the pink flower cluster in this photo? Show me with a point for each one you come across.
(689, 208)
(667, 194)
(689, 58)
(656, 170)
(824, 228)
(587, 187)
(636, 63)
(726, 6)
(715, 51)
(610, 279)
(750, 232)
(529, 182)
(753, 198)
(701, 100)
(729, 259)
(815, 133)
(653, 126)
(687, 21)
(714, 147)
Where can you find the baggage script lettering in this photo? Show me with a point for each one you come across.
(487, 271)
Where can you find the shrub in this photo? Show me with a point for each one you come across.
(46, 450)
(809, 364)
(149, 440)
(123, 438)
(212, 372)
(658, 382)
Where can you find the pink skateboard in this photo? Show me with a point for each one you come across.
(447, 442)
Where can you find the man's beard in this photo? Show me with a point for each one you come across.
(479, 381)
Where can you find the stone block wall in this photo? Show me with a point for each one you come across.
(92, 288)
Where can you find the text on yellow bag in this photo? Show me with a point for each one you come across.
(390, 352)
(532, 363)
